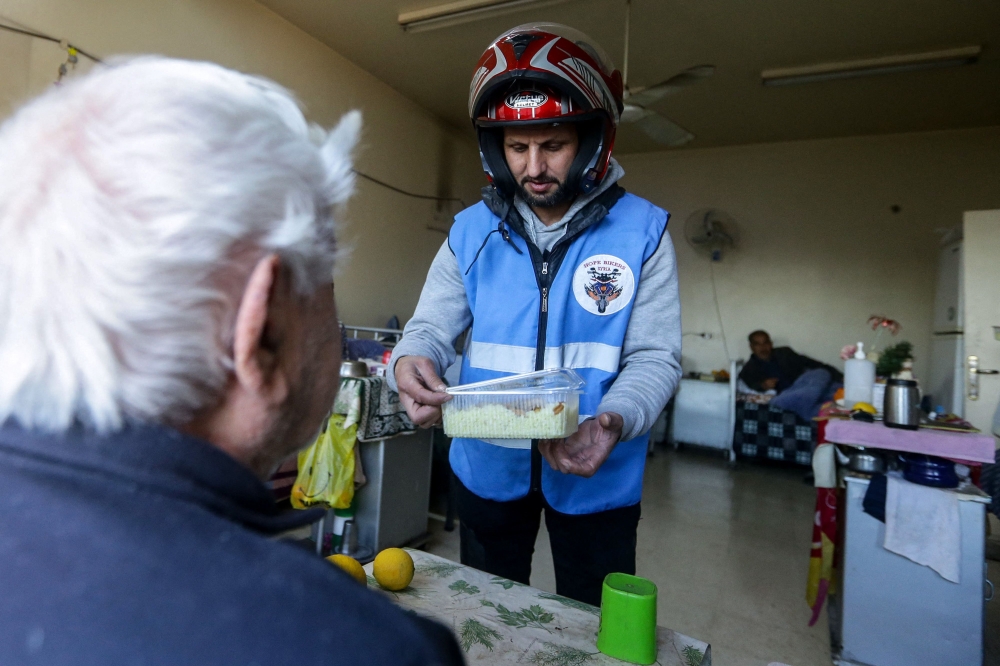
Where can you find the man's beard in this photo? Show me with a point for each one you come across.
(560, 195)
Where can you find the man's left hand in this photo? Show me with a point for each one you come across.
(583, 452)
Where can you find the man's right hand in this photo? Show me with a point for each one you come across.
(420, 390)
(770, 384)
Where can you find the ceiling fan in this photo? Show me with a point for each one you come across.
(657, 127)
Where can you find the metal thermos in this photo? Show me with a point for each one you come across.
(902, 404)
(349, 544)
(349, 540)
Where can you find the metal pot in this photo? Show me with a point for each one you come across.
(866, 462)
(353, 369)
(929, 470)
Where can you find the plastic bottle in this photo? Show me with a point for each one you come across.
(859, 378)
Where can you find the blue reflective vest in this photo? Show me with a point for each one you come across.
(568, 308)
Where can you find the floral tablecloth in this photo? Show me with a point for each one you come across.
(498, 621)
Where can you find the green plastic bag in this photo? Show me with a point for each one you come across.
(326, 468)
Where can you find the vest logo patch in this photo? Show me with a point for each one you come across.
(603, 284)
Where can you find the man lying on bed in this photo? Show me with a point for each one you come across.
(803, 384)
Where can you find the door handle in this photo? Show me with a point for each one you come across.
(972, 383)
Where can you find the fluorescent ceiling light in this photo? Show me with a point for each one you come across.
(850, 69)
(463, 11)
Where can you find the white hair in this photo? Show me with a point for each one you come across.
(134, 203)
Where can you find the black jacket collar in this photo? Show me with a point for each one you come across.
(586, 217)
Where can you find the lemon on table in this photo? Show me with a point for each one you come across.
(351, 566)
(864, 407)
(393, 569)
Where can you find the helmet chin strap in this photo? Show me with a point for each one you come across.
(582, 173)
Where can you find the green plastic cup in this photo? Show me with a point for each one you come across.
(628, 619)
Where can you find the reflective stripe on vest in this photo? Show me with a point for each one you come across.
(514, 360)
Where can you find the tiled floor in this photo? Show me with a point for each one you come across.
(728, 549)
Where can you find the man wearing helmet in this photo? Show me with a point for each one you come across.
(557, 267)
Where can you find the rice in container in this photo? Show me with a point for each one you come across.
(535, 405)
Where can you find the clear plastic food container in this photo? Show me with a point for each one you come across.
(536, 405)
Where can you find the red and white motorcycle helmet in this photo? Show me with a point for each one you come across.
(546, 73)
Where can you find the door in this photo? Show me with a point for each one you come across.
(981, 275)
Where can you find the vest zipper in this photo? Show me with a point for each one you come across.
(544, 282)
(540, 264)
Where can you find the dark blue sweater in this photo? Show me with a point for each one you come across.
(151, 547)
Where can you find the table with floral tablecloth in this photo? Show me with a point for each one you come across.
(498, 621)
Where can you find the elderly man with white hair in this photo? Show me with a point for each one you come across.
(168, 335)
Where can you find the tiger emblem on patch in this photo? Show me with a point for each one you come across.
(603, 284)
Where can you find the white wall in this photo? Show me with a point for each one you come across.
(820, 250)
(403, 144)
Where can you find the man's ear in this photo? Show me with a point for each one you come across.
(256, 338)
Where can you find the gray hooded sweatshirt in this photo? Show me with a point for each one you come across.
(651, 354)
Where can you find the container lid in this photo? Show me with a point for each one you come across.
(557, 380)
(909, 383)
